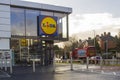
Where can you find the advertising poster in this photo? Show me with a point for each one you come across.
(82, 53)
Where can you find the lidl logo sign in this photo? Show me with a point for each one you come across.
(47, 25)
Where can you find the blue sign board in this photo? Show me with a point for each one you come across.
(82, 53)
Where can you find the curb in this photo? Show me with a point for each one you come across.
(99, 72)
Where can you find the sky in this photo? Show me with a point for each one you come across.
(90, 17)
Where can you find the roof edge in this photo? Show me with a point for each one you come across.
(36, 5)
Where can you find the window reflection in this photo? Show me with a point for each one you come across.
(17, 21)
(64, 25)
(60, 27)
(31, 22)
(24, 22)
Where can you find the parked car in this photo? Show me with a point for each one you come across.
(95, 59)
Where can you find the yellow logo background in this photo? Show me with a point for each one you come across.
(49, 25)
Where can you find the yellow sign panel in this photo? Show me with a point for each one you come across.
(24, 42)
(49, 25)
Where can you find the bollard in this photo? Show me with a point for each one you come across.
(101, 63)
(87, 63)
(1, 64)
(95, 61)
(71, 63)
(113, 60)
(5, 64)
(11, 70)
(54, 64)
(33, 65)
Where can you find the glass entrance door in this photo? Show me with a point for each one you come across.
(27, 49)
(20, 48)
(15, 46)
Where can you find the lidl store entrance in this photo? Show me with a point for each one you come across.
(25, 50)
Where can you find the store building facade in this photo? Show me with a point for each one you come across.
(30, 29)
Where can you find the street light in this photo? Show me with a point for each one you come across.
(94, 37)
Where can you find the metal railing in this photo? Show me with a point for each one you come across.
(88, 62)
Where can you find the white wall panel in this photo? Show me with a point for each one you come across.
(4, 8)
(5, 28)
(4, 44)
(4, 14)
(5, 1)
(5, 34)
(4, 21)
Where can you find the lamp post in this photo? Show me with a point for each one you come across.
(94, 37)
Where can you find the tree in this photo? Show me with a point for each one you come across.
(56, 47)
(97, 46)
(72, 43)
(81, 43)
(70, 46)
(58, 51)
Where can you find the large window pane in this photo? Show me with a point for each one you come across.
(31, 22)
(64, 25)
(24, 22)
(60, 16)
(17, 22)
(60, 27)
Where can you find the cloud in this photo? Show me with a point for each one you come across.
(100, 22)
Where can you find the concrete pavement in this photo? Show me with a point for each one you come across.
(108, 70)
(46, 73)
(3, 74)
